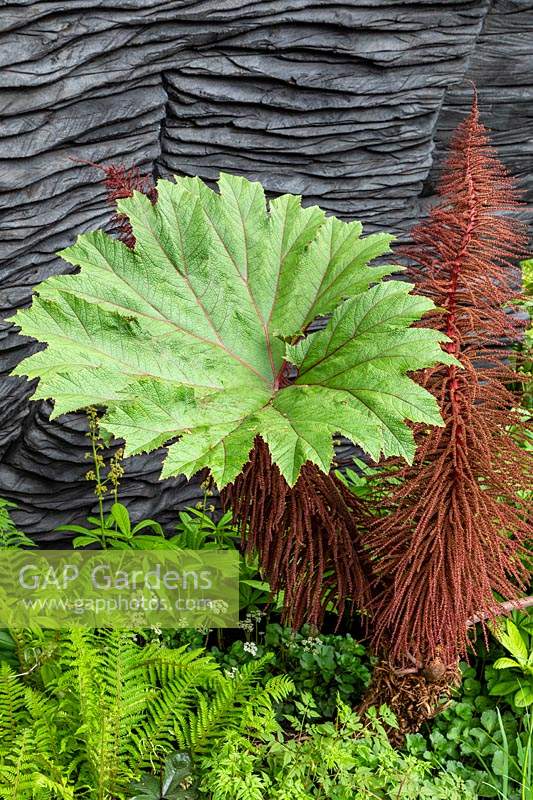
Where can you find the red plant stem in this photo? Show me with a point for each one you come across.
(503, 609)
(281, 378)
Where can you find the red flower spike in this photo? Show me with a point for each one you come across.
(121, 182)
(307, 536)
(458, 523)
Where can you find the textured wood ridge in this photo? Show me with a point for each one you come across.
(347, 103)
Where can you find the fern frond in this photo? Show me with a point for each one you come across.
(277, 689)
(50, 788)
(179, 674)
(259, 714)
(113, 706)
(27, 774)
(223, 711)
(166, 665)
(13, 713)
(10, 536)
(49, 723)
(16, 773)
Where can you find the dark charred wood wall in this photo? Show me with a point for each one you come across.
(348, 103)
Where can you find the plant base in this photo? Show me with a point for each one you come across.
(413, 696)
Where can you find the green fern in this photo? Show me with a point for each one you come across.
(236, 703)
(10, 536)
(106, 708)
(27, 771)
(103, 702)
(181, 674)
(17, 771)
(12, 707)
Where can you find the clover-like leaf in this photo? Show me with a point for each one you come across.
(190, 337)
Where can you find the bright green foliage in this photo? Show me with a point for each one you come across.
(328, 665)
(516, 636)
(188, 334)
(29, 744)
(10, 536)
(173, 783)
(196, 530)
(239, 704)
(344, 760)
(105, 708)
(480, 738)
(117, 532)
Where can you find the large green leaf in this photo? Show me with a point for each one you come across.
(187, 336)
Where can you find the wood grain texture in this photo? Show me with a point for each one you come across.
(349, 104)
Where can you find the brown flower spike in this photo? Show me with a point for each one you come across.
(120, 183)
(458, 522)
(307, 536)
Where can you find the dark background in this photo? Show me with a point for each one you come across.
(347, 103)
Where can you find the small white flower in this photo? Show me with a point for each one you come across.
(231, 672)
(250, 647)
(219, 607)
(311, 645)
(246, 625)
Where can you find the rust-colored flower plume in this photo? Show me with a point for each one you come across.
(307, 536)
(120, 183)
(454, 538)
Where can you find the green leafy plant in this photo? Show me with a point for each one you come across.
(361, 480)
(515, 635)
(174, 781)
(345, 759)
(465, 739)
(105, 708)
(193, 331)
(481, 738)
(240, 704)
(329, 666)
(521, 764)
(254, 590)
(13, 644)
(116, 531)
(10, 536)
(100, 715)
(197, 530)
